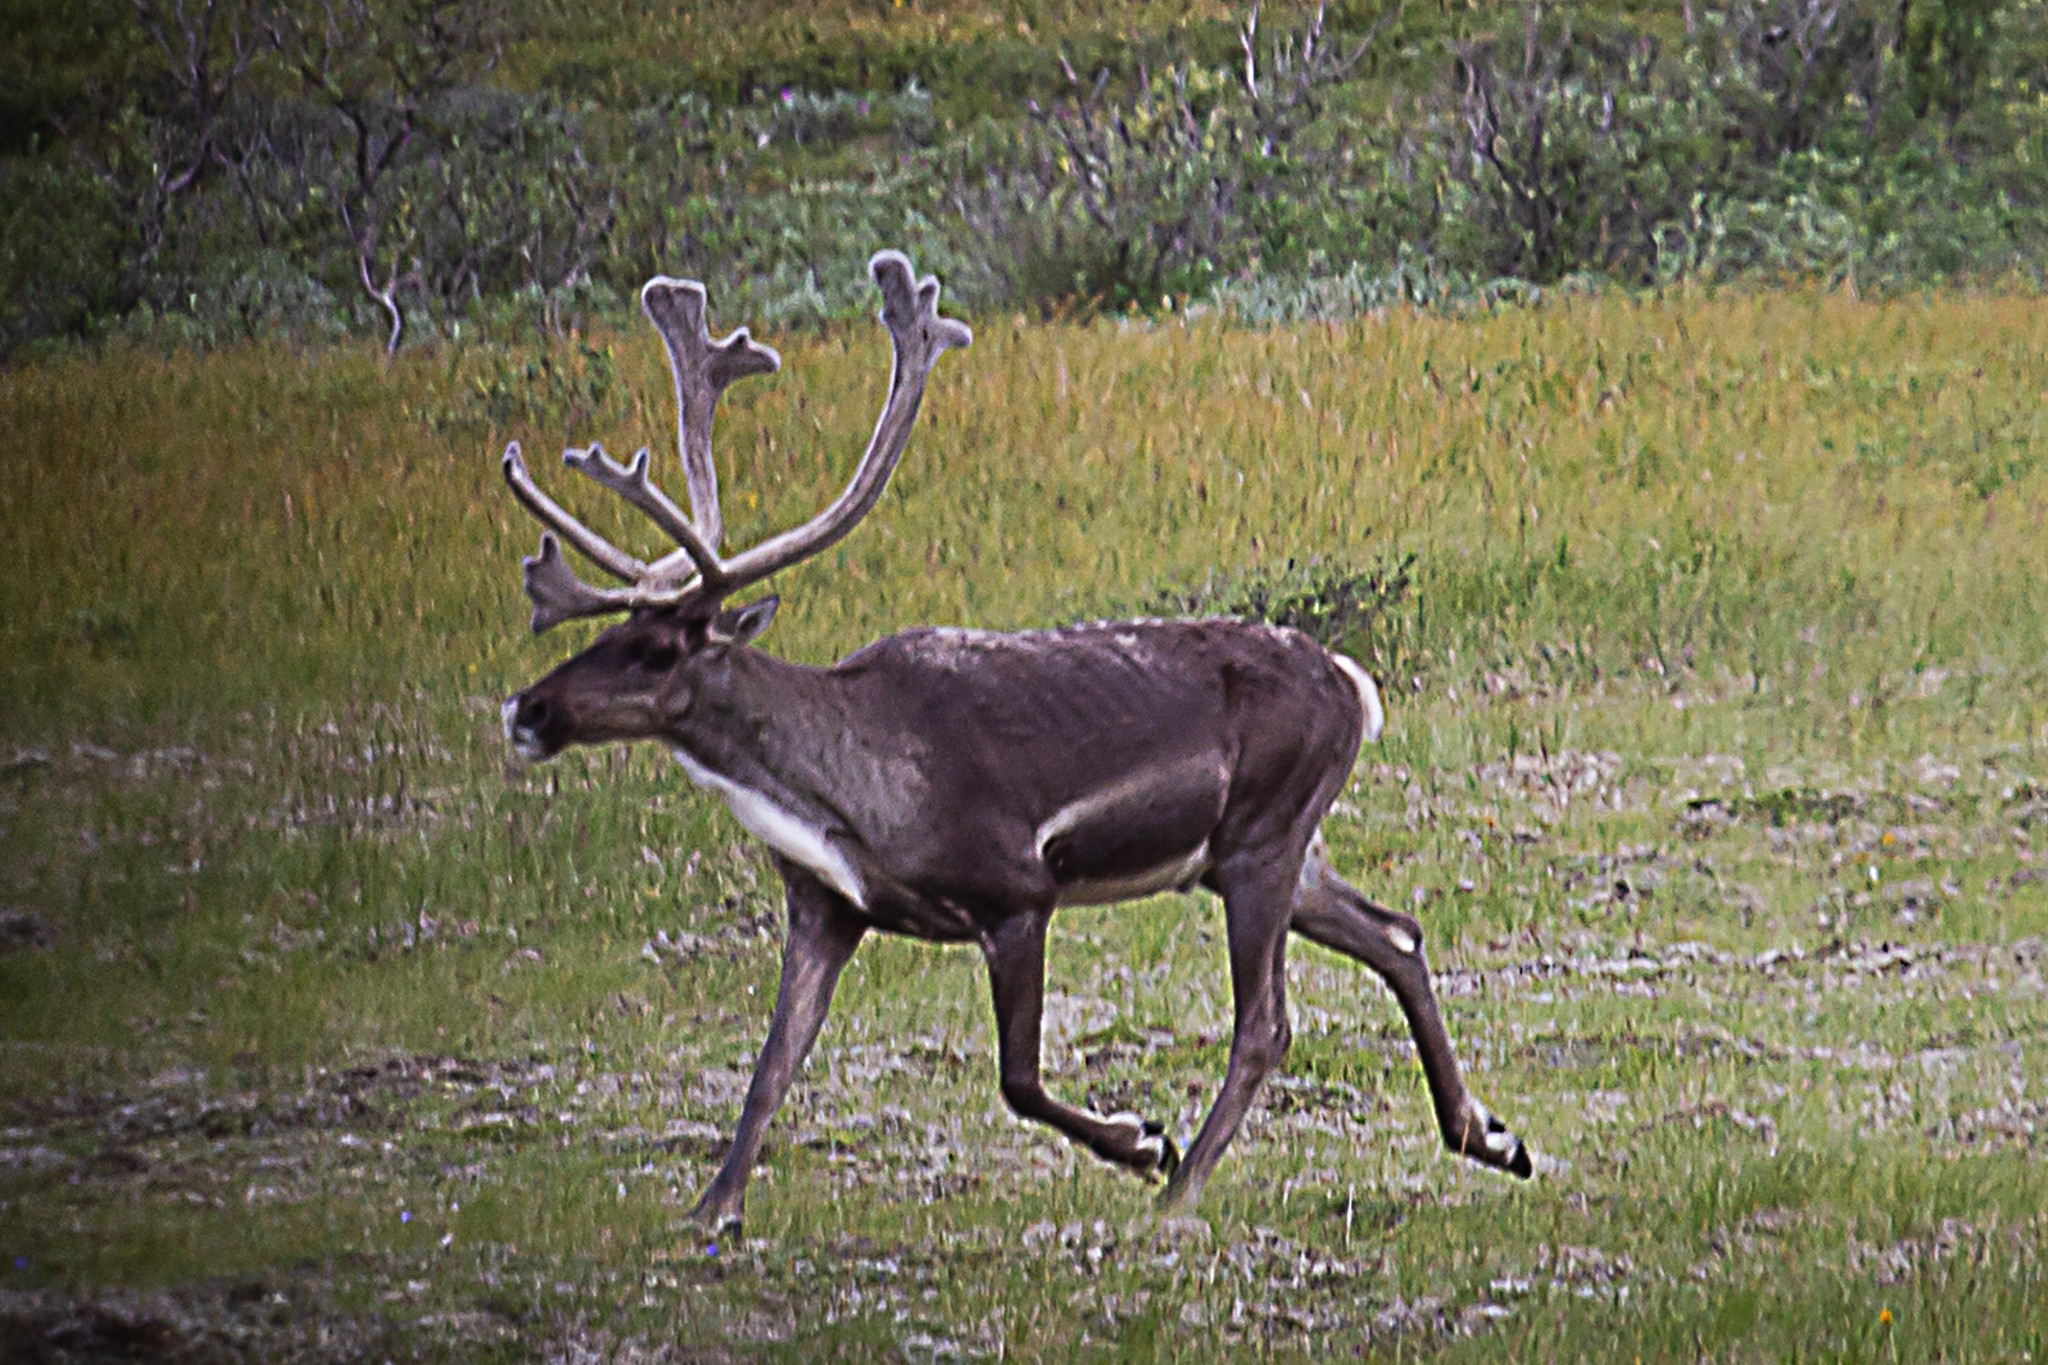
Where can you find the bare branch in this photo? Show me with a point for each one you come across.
(1301, 70)
(201, 70)
(1248, 39)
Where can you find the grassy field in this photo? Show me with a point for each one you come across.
(1717, 766)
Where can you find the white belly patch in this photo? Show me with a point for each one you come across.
(781, 829)
(1151, 881)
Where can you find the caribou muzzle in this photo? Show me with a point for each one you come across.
(537, 728)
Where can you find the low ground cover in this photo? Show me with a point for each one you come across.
(1717, 768)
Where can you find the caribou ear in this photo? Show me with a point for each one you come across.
(741, 624)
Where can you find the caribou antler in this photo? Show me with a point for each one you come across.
(702, 369)
(631, 483)
(558, 594)
(918, 336)
(595, 547)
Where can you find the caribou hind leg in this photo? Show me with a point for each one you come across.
(823, 932)
(1330, 911)
(1015, 950)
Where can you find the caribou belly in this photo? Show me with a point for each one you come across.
(1146, 833)
(1178, 875)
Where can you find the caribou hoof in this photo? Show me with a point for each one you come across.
(714, 1225)
(1486, 1140)
(1499, 1147)
(1148, 1151)
(1157, 1145)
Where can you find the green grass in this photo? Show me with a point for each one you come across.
(1716, 768)
(976, 57)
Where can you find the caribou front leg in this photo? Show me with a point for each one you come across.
(1256, 901)
(1330, 911)
(823, 932)
(1015, 951)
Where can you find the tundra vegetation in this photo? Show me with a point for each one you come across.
(413, 168)
(1716, 760)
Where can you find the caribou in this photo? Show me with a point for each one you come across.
(959, 785)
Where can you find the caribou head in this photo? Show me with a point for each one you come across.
(678, 635)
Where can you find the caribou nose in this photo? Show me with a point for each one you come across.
(526, 715)
(525, 718)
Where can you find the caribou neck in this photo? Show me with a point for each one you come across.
(804, 738)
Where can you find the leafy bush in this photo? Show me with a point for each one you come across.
(1196, 175)
(1347, 606)
(1583, 152)
(56, 283)
(227, 167)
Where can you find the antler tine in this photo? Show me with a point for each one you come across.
(596, 548)
(632, 483)
(918, 336)
(559, 595)
(702, 369)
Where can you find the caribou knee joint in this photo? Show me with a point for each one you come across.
(1262, 1057)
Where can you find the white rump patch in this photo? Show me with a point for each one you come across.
(1368, 695)
(781, 829)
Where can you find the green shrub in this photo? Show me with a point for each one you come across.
(1359, 609)
(56, 282)
(396, 178)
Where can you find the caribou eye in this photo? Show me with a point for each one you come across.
(657, 656)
